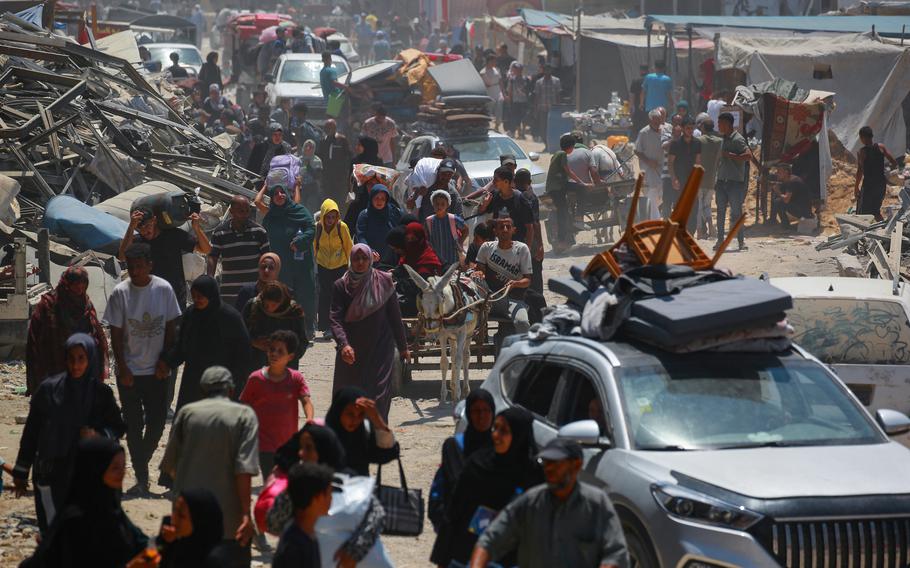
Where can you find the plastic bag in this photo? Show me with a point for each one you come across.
(348, 508)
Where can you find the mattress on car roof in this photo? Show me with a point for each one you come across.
(713, 307)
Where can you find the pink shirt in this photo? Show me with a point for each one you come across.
(275, 404)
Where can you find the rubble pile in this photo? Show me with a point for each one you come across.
(81, 122)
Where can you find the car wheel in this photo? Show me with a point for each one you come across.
(641, 555)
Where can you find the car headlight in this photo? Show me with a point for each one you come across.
(539, 178)
(697, 507)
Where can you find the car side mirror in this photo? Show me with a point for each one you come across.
(584, 432)
(533, 156)
(458, 411)
(892, 421)
(269, 78)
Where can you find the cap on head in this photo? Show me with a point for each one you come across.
(559, 449)
(447, 165)
(506, 159)
(216, 380)
(275, 127)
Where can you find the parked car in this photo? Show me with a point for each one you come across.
(190, 56)
(480, 156)
(296, 76)
(347, 48)
(720, 459)
(861, 329)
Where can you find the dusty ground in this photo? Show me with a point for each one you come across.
(419, 421)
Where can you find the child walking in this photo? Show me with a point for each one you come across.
(273, 392)
(333, 250)
(445, 231)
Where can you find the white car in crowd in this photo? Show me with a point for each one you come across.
(190, 56)
(296, 76)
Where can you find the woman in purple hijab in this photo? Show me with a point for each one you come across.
(366, 323)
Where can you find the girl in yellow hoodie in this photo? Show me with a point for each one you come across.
(333, 249)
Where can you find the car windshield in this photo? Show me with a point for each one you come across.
(188, 55)
(848, 330)
(488, 149)
(725, 401)
(298, 71)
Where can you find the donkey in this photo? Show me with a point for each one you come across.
(436, 303)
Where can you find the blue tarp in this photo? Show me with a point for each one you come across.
(891, 26)
(87, 227)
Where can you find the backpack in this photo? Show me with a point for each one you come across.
(284, 170)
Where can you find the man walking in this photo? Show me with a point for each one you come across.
(658, 88)
(649, 149)
(214, 444)
(336, 158)
(142, 313)
(869, 189)
(546, 523)
(383, 130)
(731, 182)
(505, 263)
(685, 154)
(492, 80)
(546, 94)
(237, 242)
(710, 158)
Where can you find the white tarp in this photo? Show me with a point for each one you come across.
(870, 78)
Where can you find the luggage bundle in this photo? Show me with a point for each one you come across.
(462, 107)
(655, 285)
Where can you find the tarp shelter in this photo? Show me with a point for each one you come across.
(888, 26)
(870, 78)
(610, 62)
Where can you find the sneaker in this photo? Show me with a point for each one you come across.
(743, 247)
(716, 245)
(328, 335)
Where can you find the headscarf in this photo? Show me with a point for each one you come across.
(369, 290)
(290, 211)
(514, 68)
(88, 490)
(208, 529)
(370, 154)
(310, 162)
(520, 456)
(475, 439)
(424, 174)
(208, 287)
(78, 394)
(418, 254)
(329, 448)
(276, 259)
(379, 221)
(356, 443)
(287, 308)
(59, 314)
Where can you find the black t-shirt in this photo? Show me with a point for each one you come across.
(519, 210)
(296, 550)
(685, 153)
(167, 258)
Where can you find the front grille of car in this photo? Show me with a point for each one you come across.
(867, 543)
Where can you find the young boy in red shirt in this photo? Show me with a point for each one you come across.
(273, 392)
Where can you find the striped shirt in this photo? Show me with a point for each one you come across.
(239, 253)
(439, 233)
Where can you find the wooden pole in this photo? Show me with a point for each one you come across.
(693, 108)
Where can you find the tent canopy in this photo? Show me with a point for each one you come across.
(871, 78)
(891, 26)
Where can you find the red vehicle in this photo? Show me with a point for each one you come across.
(241, 40)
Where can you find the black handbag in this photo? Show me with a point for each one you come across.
(403, 506)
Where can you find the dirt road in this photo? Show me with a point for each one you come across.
(420, 423)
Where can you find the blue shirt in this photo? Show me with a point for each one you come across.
(442, 241)
(328, 76)
(657, 86)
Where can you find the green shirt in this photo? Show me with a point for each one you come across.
(710, 158)
(732, 170)
(582, 532)
(557, 178)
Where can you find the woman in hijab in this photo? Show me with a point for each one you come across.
(347, 415)
(65, 408)
(375, 222)
(271, 310)
(291, 229)
(59, 314)
(333, 253)
(269, 270)
(367, 152)
(92, 529)
(417, 252)
(210, 72)
(193, 535)
(211, 334)
(491, 478)
(317, 444)
(479, 410)
(366, 325)
(311, 173)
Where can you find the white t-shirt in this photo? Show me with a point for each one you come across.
(142, 313)
(491, 80)
(503, 265)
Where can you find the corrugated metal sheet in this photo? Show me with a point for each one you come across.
(884, 25)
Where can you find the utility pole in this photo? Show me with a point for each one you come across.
(578, 12)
